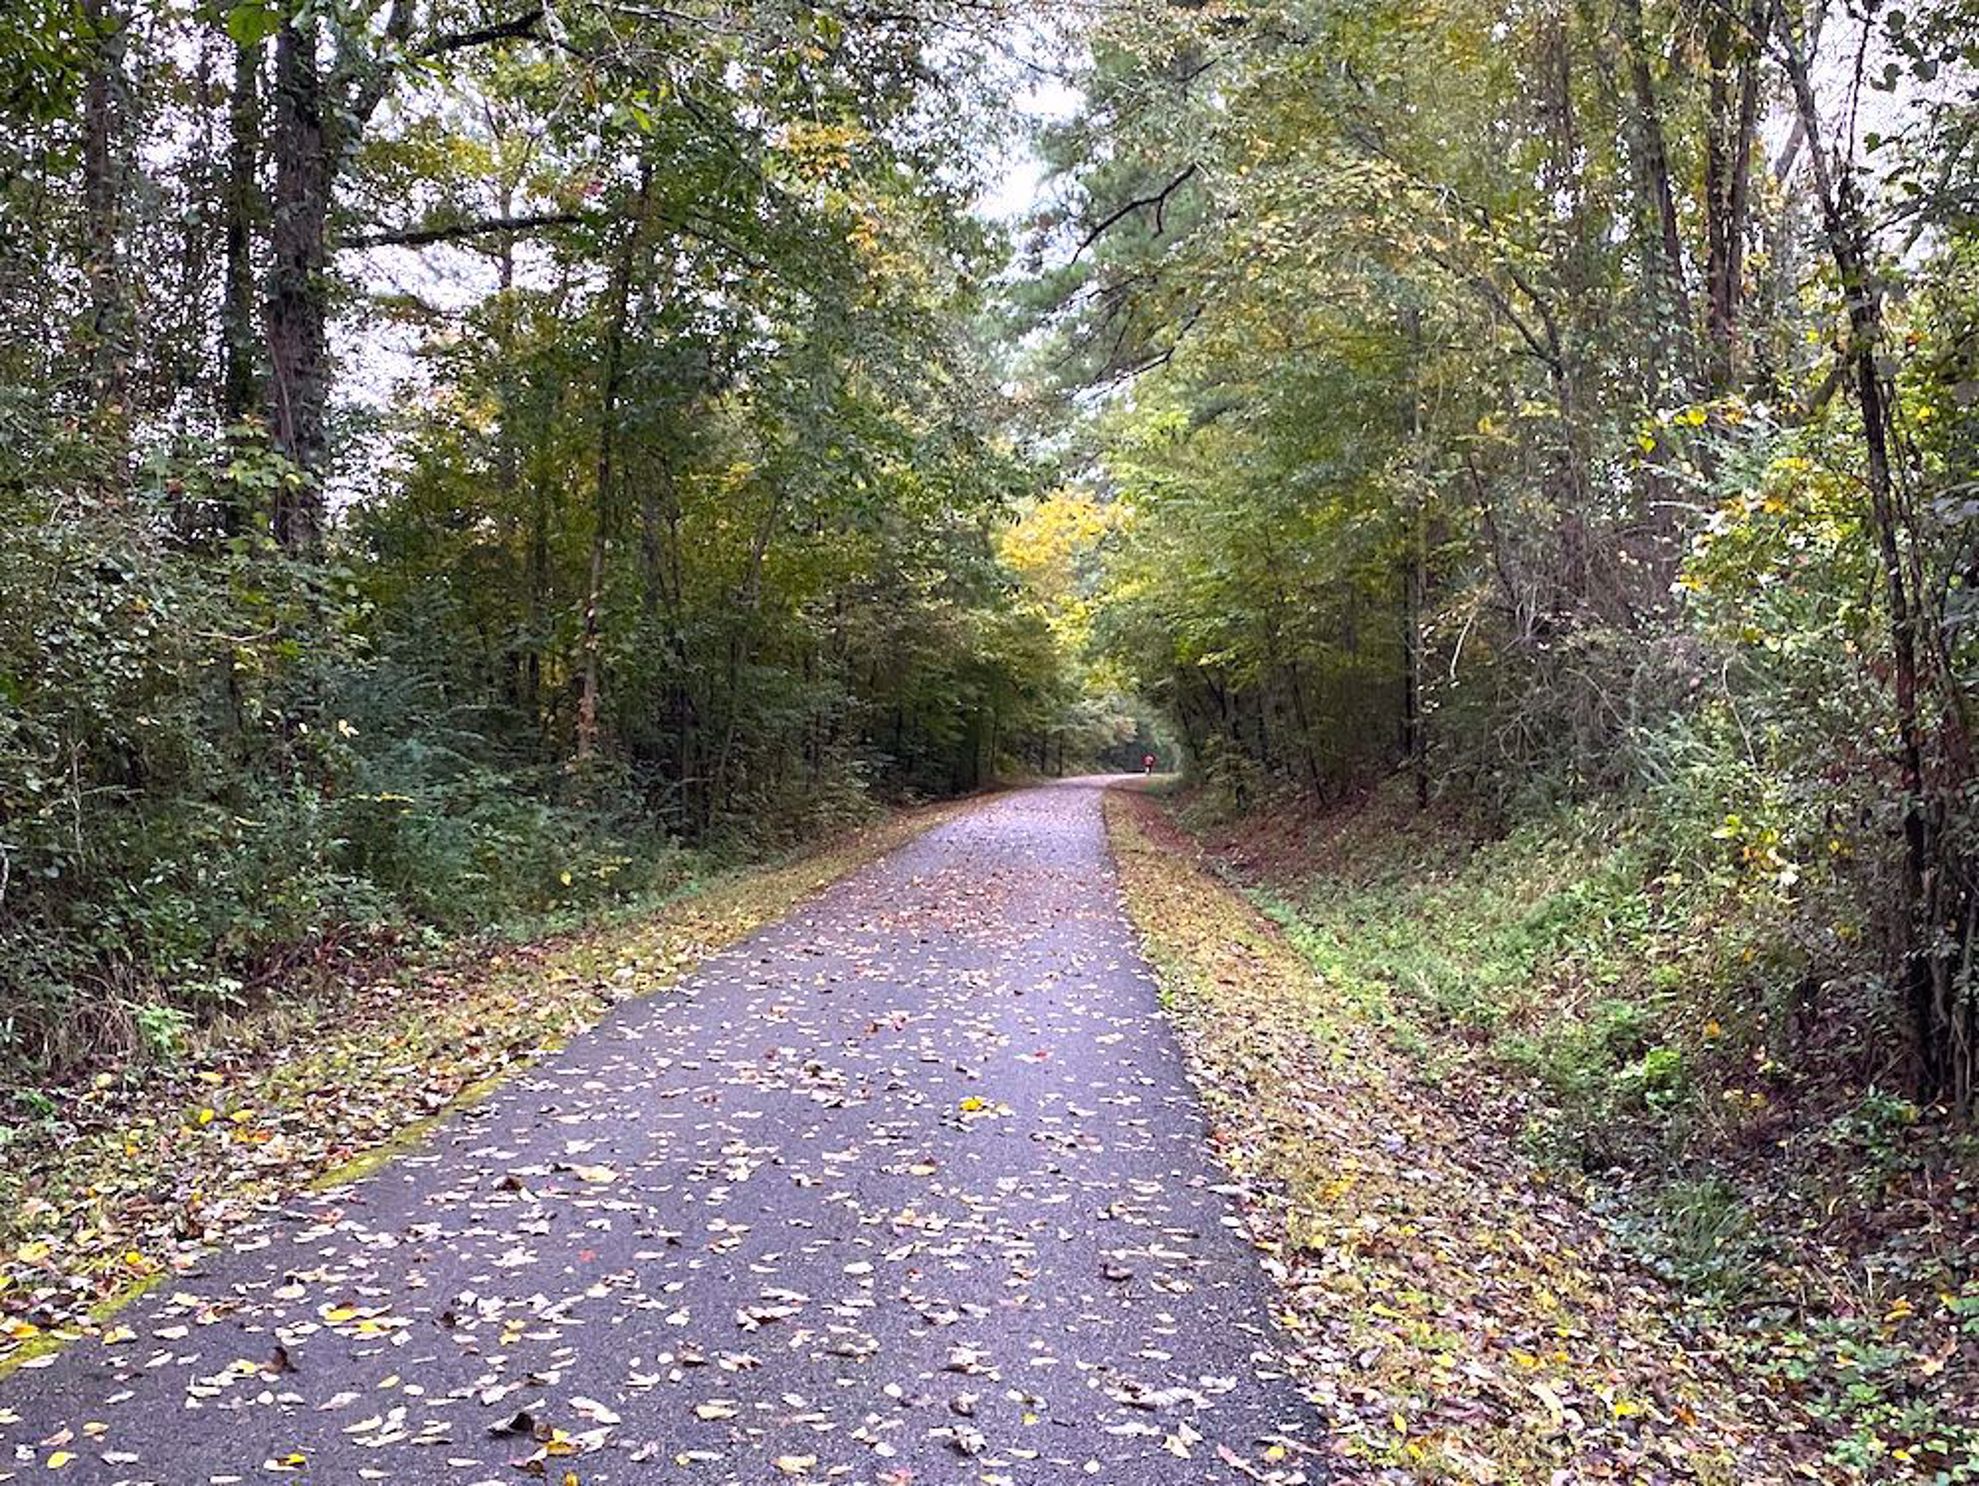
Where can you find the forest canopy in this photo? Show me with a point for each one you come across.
(1543, 404)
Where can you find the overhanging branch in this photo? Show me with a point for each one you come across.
(457, 231)
(1156, 199)
(517, 28)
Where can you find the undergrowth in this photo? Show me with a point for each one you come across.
(1694, 1033)
(1453, 1313)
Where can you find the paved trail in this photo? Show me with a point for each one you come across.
(910, 1188)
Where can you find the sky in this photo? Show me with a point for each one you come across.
(1015, 192)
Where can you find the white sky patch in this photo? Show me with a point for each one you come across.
(1018, 185)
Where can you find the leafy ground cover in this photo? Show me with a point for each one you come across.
(1575, 1009)
(128, 1176)
(1461, 1315)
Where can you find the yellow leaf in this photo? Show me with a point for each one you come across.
(59, 1459)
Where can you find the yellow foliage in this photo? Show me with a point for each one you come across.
(1049, 545)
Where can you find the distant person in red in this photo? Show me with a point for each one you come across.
(1147, 763)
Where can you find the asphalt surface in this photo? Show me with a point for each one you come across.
(909, 1188)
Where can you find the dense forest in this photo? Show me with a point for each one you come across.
(457, 456)
(1553, 403)
(483, 465)
(1528, 461)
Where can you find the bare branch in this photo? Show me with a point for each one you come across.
(1156, 199)
(442, 232)
(520, 27)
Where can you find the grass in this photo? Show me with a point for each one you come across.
(1454, 1312)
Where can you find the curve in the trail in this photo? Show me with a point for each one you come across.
(909, 1188)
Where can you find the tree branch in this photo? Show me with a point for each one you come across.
(1545, 351)
(370, 78)
(442, 232)
(519, 27)
(1157, 199)
(375, 75)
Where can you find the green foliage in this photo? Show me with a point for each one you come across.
(1477, 406)
(671, 538)
(1702, 1236)
(162, 1030)
(1616, 976)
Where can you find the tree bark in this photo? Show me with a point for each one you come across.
(106, 337)
(1729, 125)
(297, 309)
(1655, 164)
(1849, 246)
(240, 376)
(1415, 577)
(606, 472)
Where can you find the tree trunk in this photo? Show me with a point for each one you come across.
(1655, 165)
(1415, 576)
(1928, 952)
(240, 377)
(297, 309)
(740, 644)
(613, 378)
(1728, 131)
(106, 337)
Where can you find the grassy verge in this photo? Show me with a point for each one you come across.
(129, 1178)
(1693, 1051)
(1459, 1315)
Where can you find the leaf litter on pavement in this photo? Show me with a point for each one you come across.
(139, 1177)
(910, 1189)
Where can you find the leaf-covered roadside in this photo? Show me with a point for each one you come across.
(133, 1177)
(1714, 1071)
(1456, 1315)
